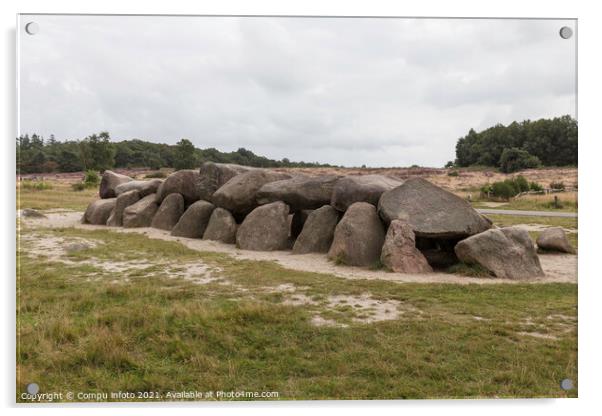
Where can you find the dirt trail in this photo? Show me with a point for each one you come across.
(557, 267)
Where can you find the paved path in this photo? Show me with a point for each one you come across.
(528, 213)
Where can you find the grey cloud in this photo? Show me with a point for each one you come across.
(380, 92)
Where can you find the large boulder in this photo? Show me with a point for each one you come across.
(399, 252)
(554, 239)
(110, 180)
(221, 227)
(124, 200)
(185, 182)
(358, 237)
(141, 213)
(265, 228)
(98, 212)
(318, 231)
(300, 192)
(193, 222)
(431, 211)
(360, 188)
(169, 212)
(506, 252)
(213, 176)
(238, 195)
(144, 188)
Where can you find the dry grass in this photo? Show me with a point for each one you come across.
(155, 333)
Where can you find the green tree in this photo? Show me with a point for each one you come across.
(97, 152)
(185, 157)
(514, 159)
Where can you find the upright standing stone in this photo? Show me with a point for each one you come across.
(141, 213)
(359, 237)
(265, 228)
(318, 231)
(193, 222)
(124, 200)
(221, 227)
(169, 212)
(98, 212)
(399, 253)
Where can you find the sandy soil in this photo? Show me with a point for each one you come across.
(557, 267)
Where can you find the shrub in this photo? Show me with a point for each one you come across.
(534, 186)
(514, 159)
(91, 178)
(557, 185)
(36, 185)
(521, 183)
(453, 173)
(78, 186)
(505, 189)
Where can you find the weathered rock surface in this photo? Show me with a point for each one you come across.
(144, 188)
(358, 237)
(221, 227)
(300, 192)
(399, 252)
(98, 212)
(193, 222)
(360, 188)
(213, 176)
(318, 231)
(169, 212)
(430, 210)
(141, 213)
(554, 239)
(123, 201)
(265, 228)
(506, 252)
(110, 180)
(238, 195)
(185, 182)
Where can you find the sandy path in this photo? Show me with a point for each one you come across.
(557, 267)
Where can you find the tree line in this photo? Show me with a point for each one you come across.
(528, 144)
(98, 152)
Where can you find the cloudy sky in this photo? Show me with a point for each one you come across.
(380, 92)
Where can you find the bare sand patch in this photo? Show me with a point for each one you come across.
(57, 249)
(557, 267)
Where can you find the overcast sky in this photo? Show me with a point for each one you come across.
(380, 92)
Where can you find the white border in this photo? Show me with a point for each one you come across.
(590, 151)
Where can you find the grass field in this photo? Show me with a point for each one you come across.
(59, 196)
(567, 202)
(134, 314)
(82, 327)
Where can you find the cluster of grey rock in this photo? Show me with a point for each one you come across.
(410, 227)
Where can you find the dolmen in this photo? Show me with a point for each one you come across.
(406, 226)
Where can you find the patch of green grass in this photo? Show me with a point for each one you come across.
(472, 270)
(61, 195)
(32, 185)
(155, 333)
(541, 203)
